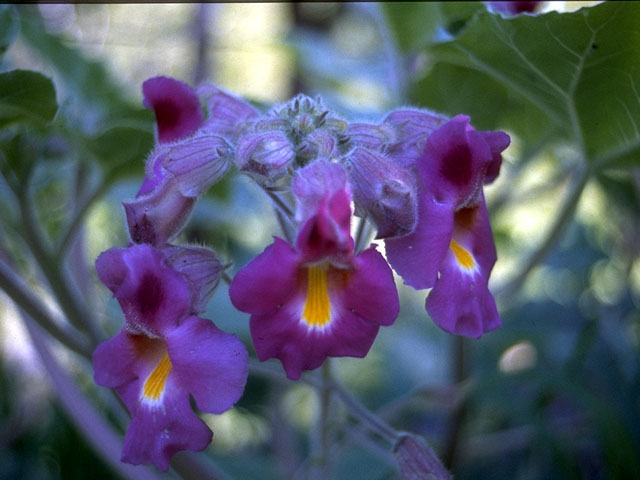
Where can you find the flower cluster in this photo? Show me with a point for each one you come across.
(416, 177)
(165, 353)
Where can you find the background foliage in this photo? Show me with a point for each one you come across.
(555, 393)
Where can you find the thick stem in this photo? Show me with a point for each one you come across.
(55, 275)
(24, 298)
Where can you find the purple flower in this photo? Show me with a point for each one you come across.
(164, 353)
(316, 299)
(176, 107)
(451, 248)
(514, 8)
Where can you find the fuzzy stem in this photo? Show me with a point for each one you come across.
(24, 298)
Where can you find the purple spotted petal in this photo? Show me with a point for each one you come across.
(267, 281)
(460, 301)
(416, 257)
(152, 295)
(209, 364)
(454, 163)
(176, 107)
(157, 432)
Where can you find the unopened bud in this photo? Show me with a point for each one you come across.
(156, 217)
(384, 191)
(412, 128)
(202, 269)
(227, 114)
(197, 163)
(373, 137)
(318, 144)
(267, 154)
(314, 183)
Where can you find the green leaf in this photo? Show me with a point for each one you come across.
(8, 27)
(413, 24)
(26, 96)
(121, 151)
(580, 69)
(91, 85)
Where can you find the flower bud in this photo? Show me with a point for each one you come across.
(228, 115)
(202, 269)
(197, 163)
(267, 154)
(412, 128)
(384, 191)
(373, 137)
(317, 144)
(159, 215)
(314, 183)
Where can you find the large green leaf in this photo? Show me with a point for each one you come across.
(581, 69)
(26, 96)
(8, 27)
(121, 151)
(86, 81)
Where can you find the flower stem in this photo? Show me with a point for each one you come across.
(78, 316)
(24, 298)
(565, 214)
(320, 468)
(364, 415)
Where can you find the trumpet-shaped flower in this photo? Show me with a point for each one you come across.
(316, 299)
(451, 248)
(164, 354)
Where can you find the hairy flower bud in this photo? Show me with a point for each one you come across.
(228, 115)
(197, 163)
(266, 154)
(373, 137)
(319, 144)
(202, 269)
(412, 128)
(159, 215)
(384, 191)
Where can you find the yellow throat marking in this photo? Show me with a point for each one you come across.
(154, 385)
(463, 256)
(317, 309)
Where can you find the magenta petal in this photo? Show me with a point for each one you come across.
(370, 291)
(460, 301)
(497, 141)
(157, 432)
(281, 334)
(267, 281)
(176, 107)
(124, 362)
(152, 295)
(416, 257)
(208, 363)
(454, 162)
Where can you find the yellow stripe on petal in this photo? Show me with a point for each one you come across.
(463, 256)
(154, 385)
(317, 309)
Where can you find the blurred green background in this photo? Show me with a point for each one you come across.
(553, 394)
